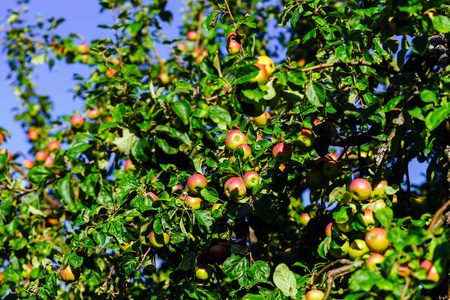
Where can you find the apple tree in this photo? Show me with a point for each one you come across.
(264, 154)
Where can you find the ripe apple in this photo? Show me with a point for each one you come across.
(83, 48)
(68, 274)
(373, 260)
(49, 162)
(182, 47)
(2, 138)
(332, 169)
(378, 190)
(191, 36)
(129, 166)
(305, 141)
(84, 58)
(177, 187)
(28, 163)
(54, 146)
(204, 272)
(262, 120)
(194, 202)
(218, 254)
(329, 228)
(314, 178)
(201, 56)
(304, 219)
(77, 121)
(32, 135)
(403, 269)
(247, 150)
(235, 138)
(151, 194)
(41, 156)
(110, 73)
(341, 251)
(159, 240)
(196, 183)
(235, 188)
(262, 76)
(360, 189)
(164, 78)
(357, 249)
(267, 63)
(233, 47)
(93, 113)
(282, 152)
(315, 295)
(251, 179)
(432, 272)
(377, 240)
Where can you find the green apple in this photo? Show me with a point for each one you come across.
(159, 240)
(378, 190)
(357, 249)
(341, 251)
(203, 272)
(305, 141)
(314, 295)
(373, 260)
(267, 63)
(262, 76)
(69, 274)
(194, 202)
(332, 169)
(235, 138)
(262, 120)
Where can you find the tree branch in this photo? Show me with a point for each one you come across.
(352, 63)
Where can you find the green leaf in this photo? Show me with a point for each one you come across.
(211, 20)
(210, 194)
(75, 260)
(40, 173)
(183, 110)
(77, 148)
(315, 94)
(119, 112)
(441, 23)
(297, 77)
(385, 216)
(204, 219)
(219, 115)
(65, 190)
(259, 272)
(188, 261)
(437, 116)
(173, 133)
(284, 279)
(125, 142)
(235, 267)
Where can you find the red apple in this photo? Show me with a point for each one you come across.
(315, 295)
(258, 137)
(49, 162)
(282, 152)
(110, 73)
(164, 78)
(182, 47)
(235, 188)
(360, 189)
(329, 228)
(177, 187)
(377, 240)
(77, 121)
(374, 260)
(262, 120)
(191, 36)
(83, 48)
(201, 56)
(357, 249)
(314, 178)
(233, 47)
(368, 219)
(251, 179)
(2, 138)
(262, 76)
(32, 135)
(159, 240)
(332, 169)
(28, 163)
(84, 58)
(203, 272)
(93, 113)
(68, 274)
(235, 138)
(403, 269)
(129, 166)
(54, 146)
(194, 202)
(247, 150)
(218, 254)
(41, 156)
(196, 183)
(432, 272)
(151, 194)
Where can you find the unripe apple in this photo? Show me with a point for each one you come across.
(267, 63)
(282, 152)
(110, 73)
(332, 169)
(314, 295)
(28, 163)
(129, 166)
(304, 219)
(360, 189)
(218, 254)
(377, 240)
(234, 138)
(373, 260)
(126, 246)
(233, 47)
(191, 36)
(376, 205)
(235, 188)
(68, 274)
(194, 202)
(247, 150)
(215, 207)
(378, 190)
(368, 219)
(164, 78)
(84, 58)
(54, 146)
(32, 135)
(83, 48)
(251, 179)
(196, 183)
(314, 178)
(262, 120)
(346, 226)
(49, 162)
(201, 56)
(341, 251)
(93, 113)
(204, 272)
(159, 240)
(262, 76)
(305, 141)
(41, 156)
(77, 121)
(357, 249)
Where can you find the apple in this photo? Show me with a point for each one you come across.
(314, 178)
(201, 56)
(377, 240)
(177, 187)
(341, 251)
(32, 135)
(49, 162)
(215, 207)
(262, 76)
(41, 156)
(432, 272)
(329, 228)
(68, 274)
(324, 127)
(54, 146)
(403, 269)
(151, 194)
(282, 152)
(314, 295)
(304, 219)
(262, 120)
(126, 246)
(376, 205)
(115, 61)
(247, 150)
(2, 138)
(373, 260)
(258, 137)
(346, 226)
(368, 219)
(378, 190)
(110, 73)
(235, 138)
(251, 179)
(84, 58)
(77, 121)
(129, 166)
(164, 78)
(194, 202)
(360, 189)
(191, 36)
(83, 48)
(93, 113)
(196, 183)
(357, 249)
(182, 47)
(233, 47)
(203, 272)
(267, 63)
(159, 240)
(28, 163)
(218, 254)
(305, 141)
(332, 169)
(235, 188)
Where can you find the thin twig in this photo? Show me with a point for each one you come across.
(436, 217)
(352, 63)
